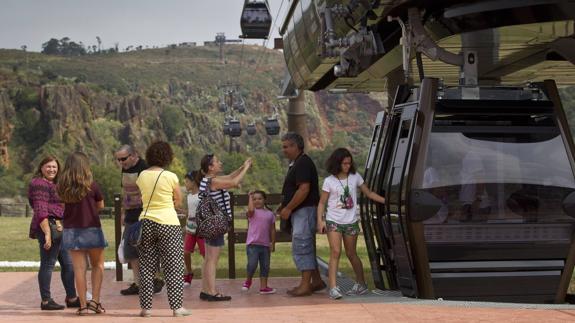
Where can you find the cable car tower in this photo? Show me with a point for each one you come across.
(221, 41)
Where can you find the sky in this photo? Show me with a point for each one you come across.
(126, 22)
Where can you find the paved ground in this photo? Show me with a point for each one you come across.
(19, 302)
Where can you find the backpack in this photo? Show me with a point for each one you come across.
(212, 221)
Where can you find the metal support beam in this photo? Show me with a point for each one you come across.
(297, 117)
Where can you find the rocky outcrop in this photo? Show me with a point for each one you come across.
(7, 113)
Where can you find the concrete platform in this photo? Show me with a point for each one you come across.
(19, 302)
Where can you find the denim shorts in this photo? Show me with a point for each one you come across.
(303, 238)
(130, 252)
(217, 242)
(83, 238)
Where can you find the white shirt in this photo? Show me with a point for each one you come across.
(193, 200)
(335, 208)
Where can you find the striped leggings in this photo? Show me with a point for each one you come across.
(163, 242)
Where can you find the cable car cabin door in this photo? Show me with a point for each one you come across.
(376, 228)
(396, 192)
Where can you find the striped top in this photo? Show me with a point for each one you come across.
(223, 200)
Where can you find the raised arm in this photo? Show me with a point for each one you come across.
(237, 172)
(227, 182)
(251, 207)
(371, 194)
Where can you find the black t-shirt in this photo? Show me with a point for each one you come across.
(302, 171)
(132, 198)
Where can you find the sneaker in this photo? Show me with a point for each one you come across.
(51, 306)
(75, 303)
(188, 279)
(145, 313)
(247, 284)
(335, 293)
(131, 290)
(357, 289)
(158, 285)
(182, 312)
(267, 290)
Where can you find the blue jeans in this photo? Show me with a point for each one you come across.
(258, 253)
(303, 238)
(47, 261)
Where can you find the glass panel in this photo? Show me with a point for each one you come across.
(507, 174)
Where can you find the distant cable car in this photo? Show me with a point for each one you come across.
(226, 128)
(222, 106)
(272, 126)
(235, 128)
(240, 105)
(256, 19)
(251, 129)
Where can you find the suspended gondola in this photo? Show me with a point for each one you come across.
(235, 128)
(256, 19)
(251, 129)
(272, 126)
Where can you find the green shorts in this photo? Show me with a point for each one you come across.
(351, 229)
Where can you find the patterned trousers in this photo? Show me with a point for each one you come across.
(163, 242)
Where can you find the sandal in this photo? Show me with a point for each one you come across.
(83, 311)
(95, 307)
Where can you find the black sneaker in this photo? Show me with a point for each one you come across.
(158, 285)
(132, 290)
(75, 303)
(51, 306)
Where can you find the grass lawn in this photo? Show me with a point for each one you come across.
(16, 246)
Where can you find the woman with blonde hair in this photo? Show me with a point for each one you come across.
(83, 235)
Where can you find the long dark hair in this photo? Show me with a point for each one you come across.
(333, 163)
(205, 164)
(76, 178)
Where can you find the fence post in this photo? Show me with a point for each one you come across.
(118, 234)
(27, 212)
(232, 243)
(0, 209)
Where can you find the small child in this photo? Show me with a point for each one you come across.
(260, 241)
(190, 239)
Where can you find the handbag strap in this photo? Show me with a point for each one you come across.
(152, 194)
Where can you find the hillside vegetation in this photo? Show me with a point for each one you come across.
(95, 103)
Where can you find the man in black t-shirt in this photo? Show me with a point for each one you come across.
(132, 165)
(300, 198)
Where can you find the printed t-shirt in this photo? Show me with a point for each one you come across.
(132, 198)
(336, 209)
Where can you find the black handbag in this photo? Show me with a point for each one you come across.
(134, 232)
(55, 229)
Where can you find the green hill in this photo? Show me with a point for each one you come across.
(95, 103)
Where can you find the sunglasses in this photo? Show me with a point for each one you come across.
(123, 159)
(210, 158)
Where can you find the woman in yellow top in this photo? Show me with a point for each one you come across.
(161, 231)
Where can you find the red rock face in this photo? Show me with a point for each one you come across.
(6, 128)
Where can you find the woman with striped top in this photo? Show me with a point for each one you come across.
(218, 185)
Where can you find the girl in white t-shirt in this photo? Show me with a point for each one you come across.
(341, 222)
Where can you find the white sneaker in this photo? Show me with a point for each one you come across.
(335, 293)
(182, 312)
(357, 289)
(145, 313)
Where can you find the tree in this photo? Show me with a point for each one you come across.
(51, 47)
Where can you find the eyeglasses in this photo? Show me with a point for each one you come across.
(210, 158)
(123, 159)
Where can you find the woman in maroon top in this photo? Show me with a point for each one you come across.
(47, 207)
(83, 234)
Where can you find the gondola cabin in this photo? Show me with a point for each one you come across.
(256, 19)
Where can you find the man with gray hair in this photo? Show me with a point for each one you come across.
(300, 199)
(132, 165)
